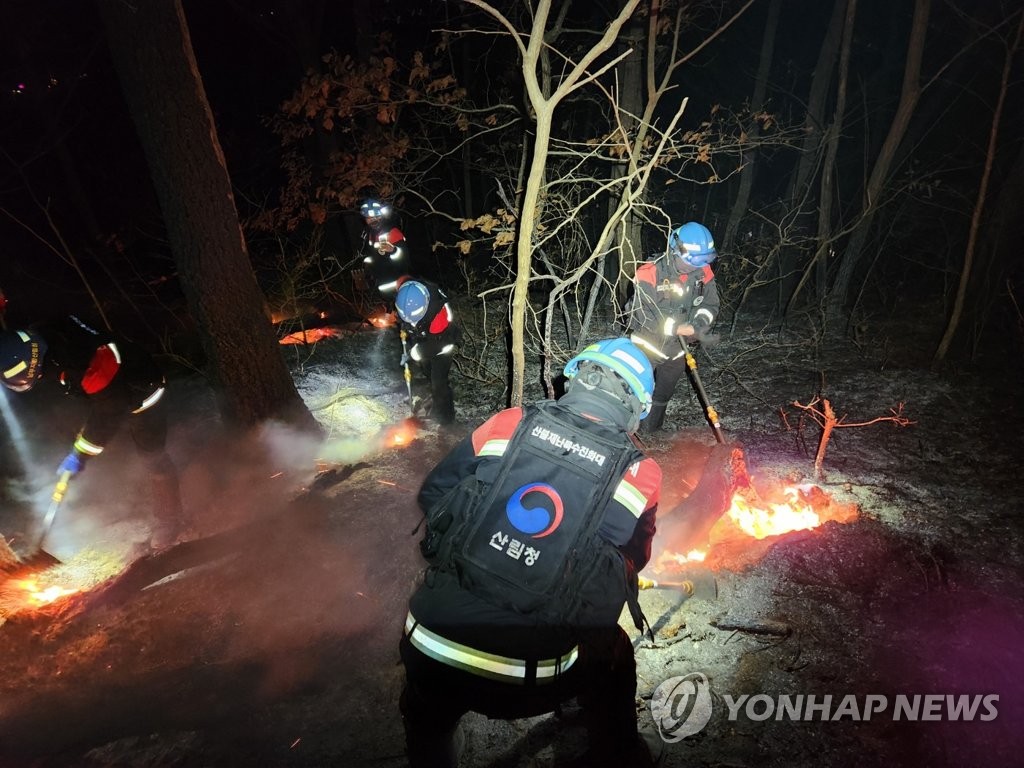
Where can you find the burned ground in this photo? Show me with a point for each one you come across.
(270, 638)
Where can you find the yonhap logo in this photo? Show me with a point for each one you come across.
(681, 706)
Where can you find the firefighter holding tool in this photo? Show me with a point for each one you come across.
(122, 383)
(675, 297)
(537, 524)
(430, 337)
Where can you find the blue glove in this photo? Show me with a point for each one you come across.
(72, 463)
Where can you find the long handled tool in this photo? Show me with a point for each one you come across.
(408, 373)
(709, 411)
(39, 559)
(698, 583)
(51, 513)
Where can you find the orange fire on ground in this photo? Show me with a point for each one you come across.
(47, 589)
(383, 320)
(36, 594)
(401, 434)
(773, 519)
(749, 519)
(310, 335)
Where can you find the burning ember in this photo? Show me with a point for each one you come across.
(383, 320)
(310, 335)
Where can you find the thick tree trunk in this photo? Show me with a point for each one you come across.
(152, 51)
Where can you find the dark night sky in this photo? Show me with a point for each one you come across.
(250, 61)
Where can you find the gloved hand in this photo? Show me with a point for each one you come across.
(405, 359)
(72, 463)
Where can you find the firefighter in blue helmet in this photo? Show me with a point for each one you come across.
(385, 251)
(121, 383)
(430, 337)
(674, 295)
(536, 527)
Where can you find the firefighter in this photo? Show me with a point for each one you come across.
(674, 296)
(386, 256)
(537, 524)
(121, 382)
(430, 337)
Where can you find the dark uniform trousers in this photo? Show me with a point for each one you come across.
(437, 695)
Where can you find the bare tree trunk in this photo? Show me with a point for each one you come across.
(909, 95)
(819, 263)
(530, 47)
(739, 208)
(152, 51)
(979, 204)
(631, 100)
(811, 147)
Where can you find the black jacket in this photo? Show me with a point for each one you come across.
(628, 524)
(436, 332)
(116, 377)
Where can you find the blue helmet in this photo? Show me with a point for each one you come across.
(412, 301)
(624, 358)
(374, 209)
(21, 359)
(694, 244)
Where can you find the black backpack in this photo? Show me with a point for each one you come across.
(527, 538)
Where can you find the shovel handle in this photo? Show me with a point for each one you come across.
(58, 496)
(62, 487)
(408, 372)
(686, 587)
(709, 410)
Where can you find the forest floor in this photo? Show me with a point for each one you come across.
(270, 637)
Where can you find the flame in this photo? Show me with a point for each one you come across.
(383, 320)
(773, 519)
(50, 586)
(310, 336)
(678, 558)
(803, 507)
(36, 595)
(401, 434)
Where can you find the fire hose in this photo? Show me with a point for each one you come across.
(709, 411)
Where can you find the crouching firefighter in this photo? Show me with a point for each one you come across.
(121, 382)
(536, 526)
